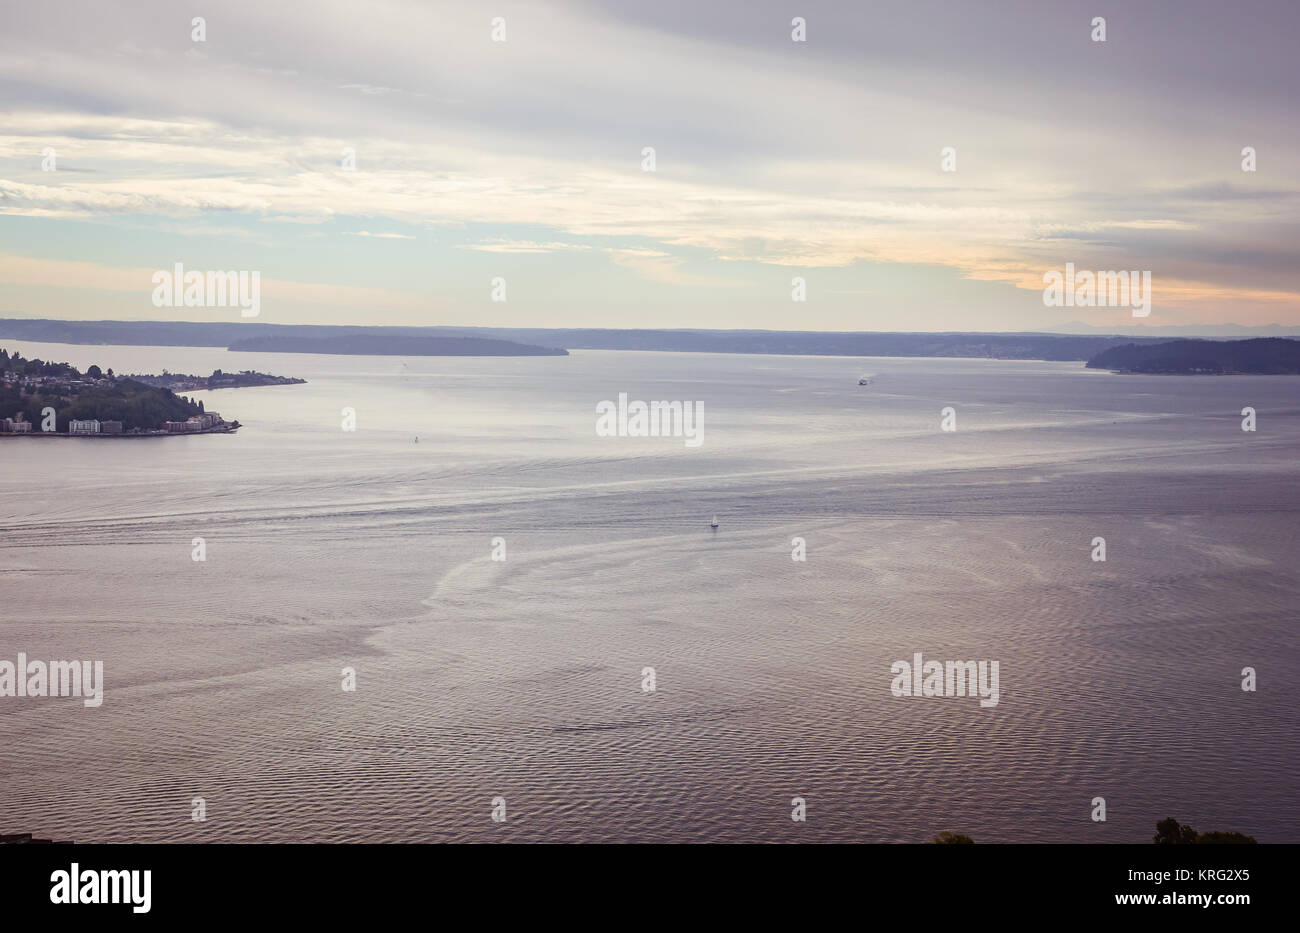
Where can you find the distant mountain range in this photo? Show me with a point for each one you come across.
(393, 345)
(385, 340)
(1260, 356)
(1264, 355)
(1170, 331)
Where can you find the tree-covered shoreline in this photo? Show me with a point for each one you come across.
(28, 387)
(1266, 356)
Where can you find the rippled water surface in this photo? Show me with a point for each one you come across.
(522, 679)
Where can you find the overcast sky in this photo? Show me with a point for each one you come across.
(773, 159)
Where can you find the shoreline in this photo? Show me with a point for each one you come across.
(229, 429)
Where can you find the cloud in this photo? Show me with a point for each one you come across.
(821, 155)
(522, 246)
(26, 270)
(369, 89)
(381, 236)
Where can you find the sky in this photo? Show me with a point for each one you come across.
(126, 146)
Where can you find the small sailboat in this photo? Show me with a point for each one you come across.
(714, 523)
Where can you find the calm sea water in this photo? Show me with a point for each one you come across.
(523, 678)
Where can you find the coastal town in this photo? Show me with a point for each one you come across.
(45, 399)
(206, 423)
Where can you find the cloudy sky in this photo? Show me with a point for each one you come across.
(774, 159)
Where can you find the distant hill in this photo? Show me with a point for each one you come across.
(1260, 356)
(377, 345)
(1003, 346)
(1175, 331)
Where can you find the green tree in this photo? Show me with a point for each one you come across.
(947, 838)
(1217, 838)
(1170, 832)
